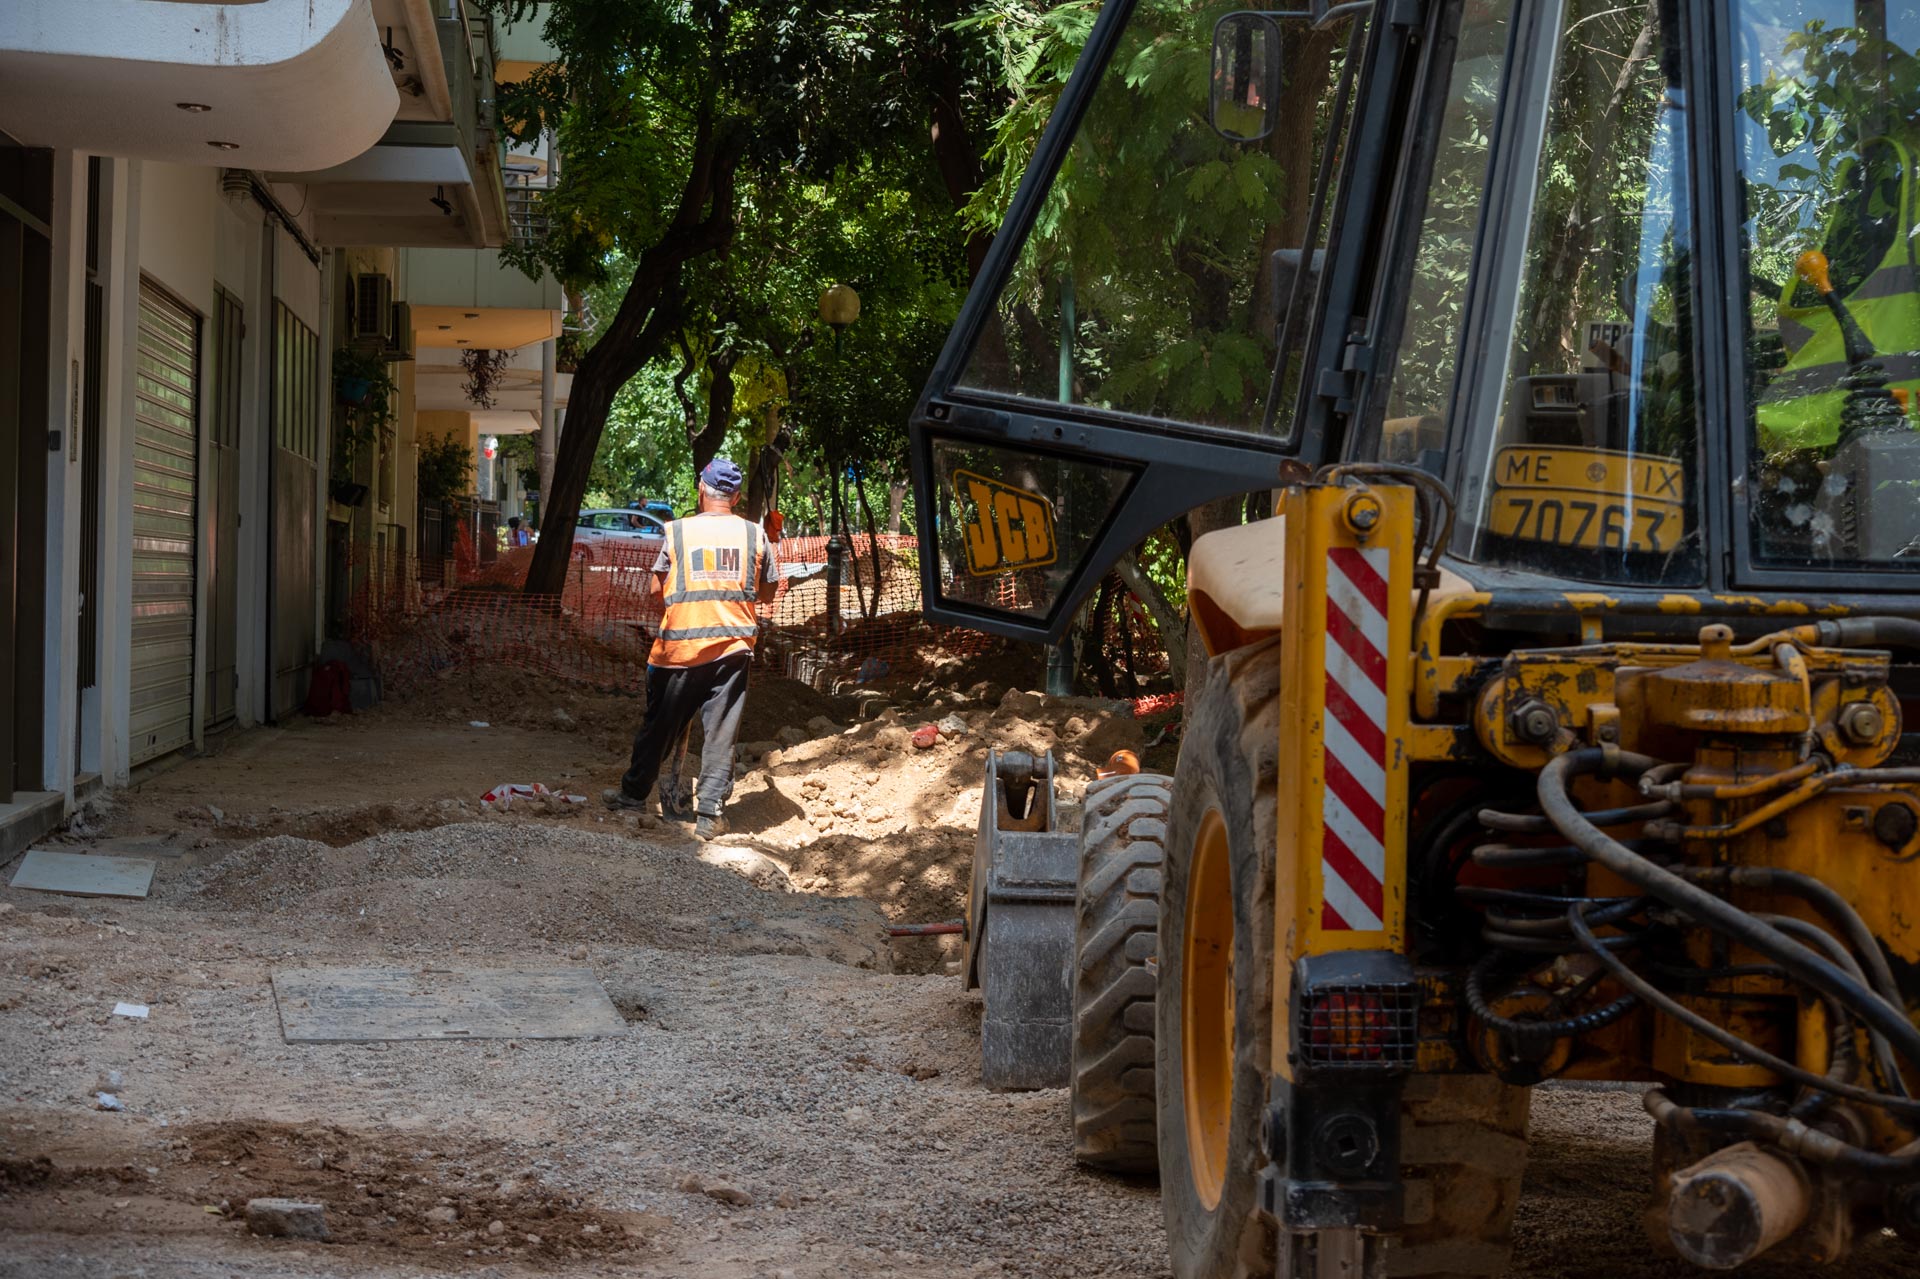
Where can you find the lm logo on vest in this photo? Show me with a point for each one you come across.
(714, 561)
(1006, 528)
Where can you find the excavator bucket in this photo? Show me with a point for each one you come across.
(1020, 926)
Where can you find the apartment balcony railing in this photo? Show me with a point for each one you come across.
(527, 213)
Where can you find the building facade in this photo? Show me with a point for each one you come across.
(207, 211)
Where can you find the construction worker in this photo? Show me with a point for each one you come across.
(712, 569)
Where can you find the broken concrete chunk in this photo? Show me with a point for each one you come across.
(729, 1195)
(821, 726)
(442, 1216)
(792, 736)
(287, 1219)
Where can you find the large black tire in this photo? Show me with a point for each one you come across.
(1123, 830)
(1228, 763)
(1463, 1150)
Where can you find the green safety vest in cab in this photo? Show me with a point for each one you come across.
(1870, 243)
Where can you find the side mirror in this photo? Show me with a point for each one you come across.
(1245, 76)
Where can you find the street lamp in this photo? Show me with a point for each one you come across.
(839, 307)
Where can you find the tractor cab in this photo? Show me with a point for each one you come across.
(1636, 283)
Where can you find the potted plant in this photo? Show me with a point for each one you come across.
(364, 386)
(483, 368)
(361, 376)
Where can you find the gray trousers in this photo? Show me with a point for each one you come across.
(716, 692)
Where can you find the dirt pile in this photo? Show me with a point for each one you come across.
(486, 884)
(859, 809)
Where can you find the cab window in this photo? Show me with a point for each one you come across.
(1158, 268)
(1419, 401)
(1828, 118)
(1581, 460)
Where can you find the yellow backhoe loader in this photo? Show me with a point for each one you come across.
(1557, 354)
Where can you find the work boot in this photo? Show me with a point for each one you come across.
(710, 826)
(615, 798)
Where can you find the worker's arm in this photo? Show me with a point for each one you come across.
(770, 573)
(657, 580)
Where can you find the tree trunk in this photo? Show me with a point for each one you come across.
(1173, 628)
(766, 471)
(638, 332)
(872, 607)
(720, 390)
(896, 502)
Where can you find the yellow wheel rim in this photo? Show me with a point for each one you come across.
(1206, 1008)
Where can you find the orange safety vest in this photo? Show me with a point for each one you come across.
(712, 588)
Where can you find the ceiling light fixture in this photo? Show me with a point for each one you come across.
(195, 107)
(444, 327)
(471, 315)
(224, 146)
(439, 201)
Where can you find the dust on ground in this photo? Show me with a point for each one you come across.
(794, 1096)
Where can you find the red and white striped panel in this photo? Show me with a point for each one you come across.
(1353, 850)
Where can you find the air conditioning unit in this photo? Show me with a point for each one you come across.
(372, 307)
(399, 345)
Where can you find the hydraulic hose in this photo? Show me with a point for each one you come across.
(1789, 1134)
(1869, 632)
(1839, 912)
(1715, 912)
(1534, 824)
(1842, 1061)
(1719, 1034)
(1533, 1032)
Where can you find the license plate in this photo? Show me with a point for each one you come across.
(1569, 517)
(1594, 499)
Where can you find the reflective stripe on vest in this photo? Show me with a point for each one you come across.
(712, 590)
(1802, 403)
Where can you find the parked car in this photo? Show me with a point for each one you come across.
(627, 537)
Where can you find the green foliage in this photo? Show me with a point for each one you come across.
(1827, 93)
(363, 384)
(444, 470)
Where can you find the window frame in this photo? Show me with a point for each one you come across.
(1180, 465)
(1719, 186)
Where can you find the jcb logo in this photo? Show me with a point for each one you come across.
(1006, 528)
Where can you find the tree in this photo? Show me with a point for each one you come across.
(666, 112)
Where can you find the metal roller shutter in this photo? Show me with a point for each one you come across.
(165, 477)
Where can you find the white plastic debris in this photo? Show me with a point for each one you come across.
(478, 723)
(502, 796)
(107, 1101)
(137, 1011)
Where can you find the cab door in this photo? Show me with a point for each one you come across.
(1187, 299)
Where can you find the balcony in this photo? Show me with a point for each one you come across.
(435, 178)
(275, 84)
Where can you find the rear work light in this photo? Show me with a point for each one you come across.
(1344, 1021)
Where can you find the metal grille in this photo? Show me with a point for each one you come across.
(1359, 1026)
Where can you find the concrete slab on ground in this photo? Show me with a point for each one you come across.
(83, 875)
(364, 1005)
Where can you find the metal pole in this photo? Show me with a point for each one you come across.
(547, 443)
(836, 555)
